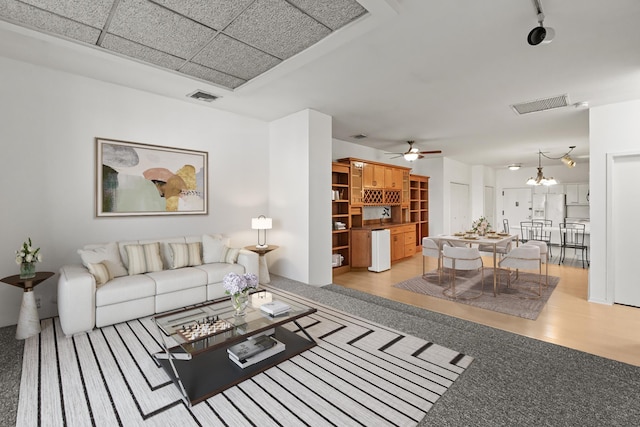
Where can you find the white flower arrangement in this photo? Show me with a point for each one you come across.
(481, 225)
(27, 254)
(235, 284)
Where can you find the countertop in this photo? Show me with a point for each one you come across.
(382, 226)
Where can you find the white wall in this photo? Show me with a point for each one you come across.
(300, 182)
(48, 122)
(613, 129)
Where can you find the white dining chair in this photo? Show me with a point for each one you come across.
(525, 257)
(431, 248)
(461, 259)
(544, 256)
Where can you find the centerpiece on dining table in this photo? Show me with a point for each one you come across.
(481, 226)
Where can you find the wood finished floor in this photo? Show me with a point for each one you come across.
(567, 319)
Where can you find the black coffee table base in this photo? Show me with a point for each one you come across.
(211, 372)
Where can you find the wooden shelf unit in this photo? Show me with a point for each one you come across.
(419, 206)
(341, 238)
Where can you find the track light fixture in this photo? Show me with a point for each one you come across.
(565, 158)
(540, 34)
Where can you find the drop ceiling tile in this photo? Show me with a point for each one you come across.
(90, 12)
(233, 57)
(334, 14)
(143, 53)
(212, 76)
(46, 21)
(154, 26)
(216, 14)
(277, 28)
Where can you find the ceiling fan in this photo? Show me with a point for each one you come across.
(414, 153)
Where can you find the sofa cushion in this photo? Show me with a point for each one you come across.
(185, 255)
(229, 255)
(217, 270)
(176, 280)
(144, 258)
(107, 254)
(212, 246)
(126, 288)
(100, 272)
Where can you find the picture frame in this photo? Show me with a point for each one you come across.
(136, 179)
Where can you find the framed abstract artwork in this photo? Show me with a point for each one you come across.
(134, 179)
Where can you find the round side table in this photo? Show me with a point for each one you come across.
(28, 320)
(263, 276)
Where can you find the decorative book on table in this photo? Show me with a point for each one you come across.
(272, 351)
(275, 308)
(251, 347)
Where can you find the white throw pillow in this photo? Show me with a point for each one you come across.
(185, 255)
(212, 246)
(107, 254)
(144, 258)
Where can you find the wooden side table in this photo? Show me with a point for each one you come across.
(28, 320)
(263, 275)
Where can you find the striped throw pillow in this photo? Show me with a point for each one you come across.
(144, 258)
(101, 273)
(229, 255)
(185, 255)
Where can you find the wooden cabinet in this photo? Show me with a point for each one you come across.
(356, 173)
(419, 207)
(361, 248)
(340, 217)
(373, 175)
(393, 178)
(403, 240)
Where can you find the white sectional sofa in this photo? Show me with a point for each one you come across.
(109, 287)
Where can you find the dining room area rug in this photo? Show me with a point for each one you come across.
(516, 300)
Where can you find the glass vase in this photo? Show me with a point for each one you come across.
(27, 270)
(240, 302)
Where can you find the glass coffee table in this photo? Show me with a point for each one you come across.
(196, 338)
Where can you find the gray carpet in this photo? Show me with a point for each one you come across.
(10, 371)
(518, 300)
(513, 381)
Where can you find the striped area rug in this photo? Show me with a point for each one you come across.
(360, 374)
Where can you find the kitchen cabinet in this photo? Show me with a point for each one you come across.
(577, 194)
(373, 175)
(403, 242)
(393, 178)
(360, 248)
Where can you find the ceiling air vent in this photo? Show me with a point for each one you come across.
(359, 136)
(203, 96)
(541, 104)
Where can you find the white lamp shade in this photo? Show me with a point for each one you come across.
(261, 223)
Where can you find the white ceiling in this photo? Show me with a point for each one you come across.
(441, 72)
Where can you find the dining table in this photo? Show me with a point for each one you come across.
(490, 239)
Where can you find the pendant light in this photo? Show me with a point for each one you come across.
(540, 179)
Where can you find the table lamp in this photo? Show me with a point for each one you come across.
(261, 223)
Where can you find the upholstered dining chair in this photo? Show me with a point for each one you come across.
(461, 259)
(544, 256)
(430, 248)
(525, 257)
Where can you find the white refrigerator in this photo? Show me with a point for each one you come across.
(551, 207)
(380, 250)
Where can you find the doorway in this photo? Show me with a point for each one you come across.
(623, 202)
(459, 207)
(516, 206)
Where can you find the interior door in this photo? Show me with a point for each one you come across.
(516, 206)
(625, 200)
(459, 207)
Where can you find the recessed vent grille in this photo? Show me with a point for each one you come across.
(541, 104)
(203, 96)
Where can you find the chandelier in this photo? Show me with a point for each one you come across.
(540, 179)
